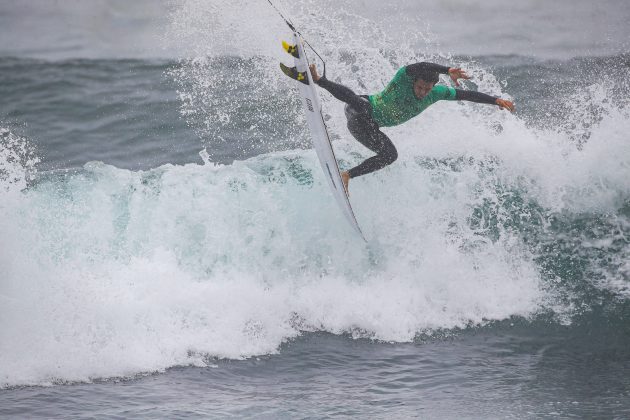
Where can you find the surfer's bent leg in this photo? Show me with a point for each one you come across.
(363, 128)
(367, 132)
(345, 94)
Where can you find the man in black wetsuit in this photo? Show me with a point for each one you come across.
(410, 92)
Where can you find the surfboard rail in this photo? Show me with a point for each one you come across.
(320, 136)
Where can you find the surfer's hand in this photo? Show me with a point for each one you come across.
(314, 74)
(457, 73)
(505, 104)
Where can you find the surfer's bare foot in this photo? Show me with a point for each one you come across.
(314, 74)
(345, 178)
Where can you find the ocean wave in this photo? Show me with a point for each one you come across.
(111, 272)
(485, 217)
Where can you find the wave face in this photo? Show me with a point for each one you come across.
(112, 271)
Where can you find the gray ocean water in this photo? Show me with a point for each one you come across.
(169, 248)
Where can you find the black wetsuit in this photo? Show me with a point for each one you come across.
(364, 128)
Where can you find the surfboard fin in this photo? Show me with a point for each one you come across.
(292, 72)
(291, 49)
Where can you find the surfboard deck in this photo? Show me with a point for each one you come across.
(317, 127)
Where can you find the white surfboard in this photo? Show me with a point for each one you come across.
(321, 139)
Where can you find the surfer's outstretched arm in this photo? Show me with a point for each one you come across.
(482, 98)
(421, 70)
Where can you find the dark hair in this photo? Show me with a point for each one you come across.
(424, 71)
(427, 75)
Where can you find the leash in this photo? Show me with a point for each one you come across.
(292, 27)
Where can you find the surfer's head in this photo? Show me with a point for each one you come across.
(424, 81)
(421, 88)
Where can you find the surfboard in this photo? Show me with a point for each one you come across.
(317, 127)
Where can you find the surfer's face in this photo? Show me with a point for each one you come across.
(422, 88)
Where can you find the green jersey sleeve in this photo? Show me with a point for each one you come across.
(443, 93)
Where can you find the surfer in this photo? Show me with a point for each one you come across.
(410, 92)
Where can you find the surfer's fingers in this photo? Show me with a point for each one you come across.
(505, 104)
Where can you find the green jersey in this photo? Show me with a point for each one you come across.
(398, 103)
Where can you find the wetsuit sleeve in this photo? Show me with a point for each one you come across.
(415, 70)
(472, 96)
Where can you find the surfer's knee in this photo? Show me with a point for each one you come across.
(390, 154)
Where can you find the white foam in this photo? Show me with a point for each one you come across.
(117, 272)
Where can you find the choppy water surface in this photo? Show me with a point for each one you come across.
(141, 278)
